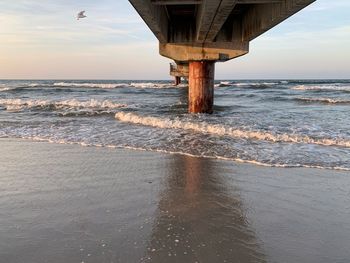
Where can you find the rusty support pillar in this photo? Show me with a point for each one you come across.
(177, 80)
(201, 86)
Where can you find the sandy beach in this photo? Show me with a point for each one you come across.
(68, 203)
(174, 131)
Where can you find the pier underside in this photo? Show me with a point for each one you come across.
(198, 33)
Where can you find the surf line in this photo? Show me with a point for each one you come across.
(221, 130)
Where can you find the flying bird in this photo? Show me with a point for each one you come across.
(81, 15)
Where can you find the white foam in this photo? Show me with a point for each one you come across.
(254, 83)
(145, 85)
(249, 84)
(223, 84)
(5, 88)
(222, 130)
(324, 100)
(16, 104)
(322, 88)
(141, 85)
(254, 162)
(245, 84)
(35, 85)
(90, 85)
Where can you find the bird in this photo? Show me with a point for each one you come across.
(81, 14)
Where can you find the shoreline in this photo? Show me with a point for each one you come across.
(237, 161)
(67, 203)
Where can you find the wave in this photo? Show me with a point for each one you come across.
(255, 83)
(324, 100)
(142, 85)
(58, 85)
(17, 104)
(90, 85)
(222, 130)
(152, 85)
(322, 88)
(33, 85)
(247, 85)
(223, 84)
(239, 160)
(5, 88)
(86, 113)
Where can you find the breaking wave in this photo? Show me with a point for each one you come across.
(247, 85)
(90, 85)
(151, 85)
(142, 85)
(4, 88)
(17, 104)
(257, 84)
(222, 130)
(223, 84)
(322, 88)
(324, 100)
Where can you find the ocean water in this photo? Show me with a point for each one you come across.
(282, 123)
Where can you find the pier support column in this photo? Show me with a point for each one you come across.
(177, 81)
(201, 86)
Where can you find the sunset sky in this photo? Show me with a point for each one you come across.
(41, 39)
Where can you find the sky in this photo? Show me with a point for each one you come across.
(41, 39)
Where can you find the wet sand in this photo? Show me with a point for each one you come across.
(67, 203)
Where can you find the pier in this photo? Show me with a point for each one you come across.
(198, 33)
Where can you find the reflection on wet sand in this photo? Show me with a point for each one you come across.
(65, 203)
(199, 220)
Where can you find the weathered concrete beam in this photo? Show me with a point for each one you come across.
(211, 51)
(176, 2)
(231, 31)
(223, 12)
(258, 1)
(198, 2)
(205, 16)
(154, 16)
(260, 18)
(179, 70)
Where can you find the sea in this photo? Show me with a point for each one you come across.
(277, 123)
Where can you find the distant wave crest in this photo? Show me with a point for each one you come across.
(142, 85)
(247, 85)
(324, 100)
(322, 88)
(90, 85)
(17, 104)
(4, 88)
(222, 130)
